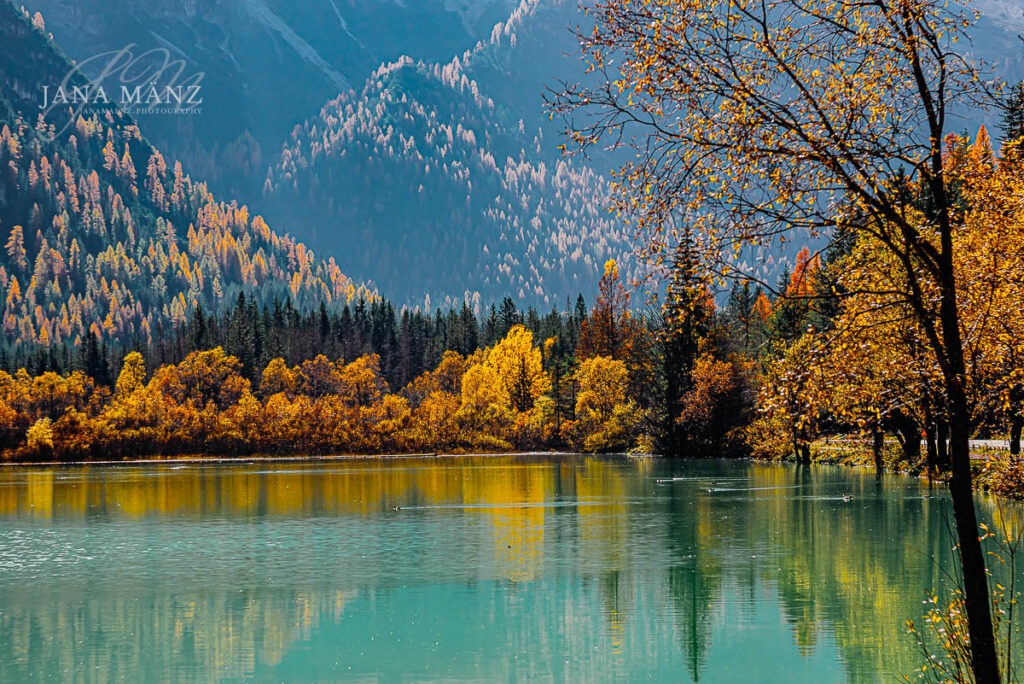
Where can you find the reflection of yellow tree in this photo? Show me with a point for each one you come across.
(839, 567)
(40, 492)
(694, 585)
(512, 499)
(603, 520)
(217, 634)
(358, 486)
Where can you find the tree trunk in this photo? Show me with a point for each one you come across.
(802, 451)
(1016, 425)
(910, 439)
(932, 453)
(972, 559)
(877, 442)
(984, 657)
(942, 441)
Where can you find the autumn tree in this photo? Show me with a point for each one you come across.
(610, 329)
(132, 376)
(277, 378)
(483, 410)
(203, 378)
(990, 245)
(446, 378)
(790, 407)
(316, 377)
(40, 436)
(16, 248)
(754, 121)
(519, 368)
(797, 290)
(606, 418)
(714, 407)
(361, 382)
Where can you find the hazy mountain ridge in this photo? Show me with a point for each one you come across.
(457, 218)
(266, 64)
(368, 203)
(466, 181)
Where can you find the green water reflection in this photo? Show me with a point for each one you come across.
(491, 569)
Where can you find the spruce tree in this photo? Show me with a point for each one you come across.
(686, 320)
(1013, 114)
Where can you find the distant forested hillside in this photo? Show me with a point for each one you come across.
(106, 238)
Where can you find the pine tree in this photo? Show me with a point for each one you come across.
(200, 334)
(687, 317)
(508, 316)
(742, 322)
(1013, 113)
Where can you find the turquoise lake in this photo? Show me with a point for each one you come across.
(465, 569)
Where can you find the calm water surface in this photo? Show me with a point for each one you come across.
(531, 569)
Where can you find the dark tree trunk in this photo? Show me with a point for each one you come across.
(984, 657)
(909, 435)
(932, 452)
(942, 442)
(979, 613)
(802, 450)
(1016, 425)
(877, 442)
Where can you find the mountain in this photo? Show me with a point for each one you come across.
(509, 216)
(451, 185)
(406, 139)
(103, 235)
(265, 65)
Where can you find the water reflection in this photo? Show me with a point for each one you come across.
(470, 568)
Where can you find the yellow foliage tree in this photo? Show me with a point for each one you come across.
(278, 378)
(40, 435)
(204, 378)
(603, 383)
(606, 419)
(519, 369)
(484, 411)
(132, 376)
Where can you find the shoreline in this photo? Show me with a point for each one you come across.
(258, 458)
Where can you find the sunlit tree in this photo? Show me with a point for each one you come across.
(519, 367)
(132, 376)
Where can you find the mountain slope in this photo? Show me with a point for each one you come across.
(103, 236)
(268, 64)
(425, 182)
